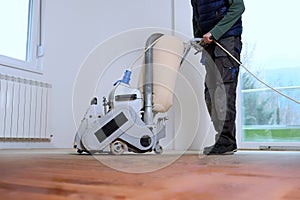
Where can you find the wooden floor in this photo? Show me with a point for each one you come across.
(61, 174)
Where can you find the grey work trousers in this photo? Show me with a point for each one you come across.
(220, 87)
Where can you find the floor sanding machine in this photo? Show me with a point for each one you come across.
(134, 119)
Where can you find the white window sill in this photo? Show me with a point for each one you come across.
(32, 67)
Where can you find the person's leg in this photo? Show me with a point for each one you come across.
(212, 79)
(213, 82)
(227, 135)
(223, 99)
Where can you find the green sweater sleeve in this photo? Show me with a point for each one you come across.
(234, 12)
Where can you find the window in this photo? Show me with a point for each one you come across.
(269, 119)
(20, 35)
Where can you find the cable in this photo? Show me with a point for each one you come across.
(262, 82)
(226, 51)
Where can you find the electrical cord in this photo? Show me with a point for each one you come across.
(258, 79)
(198, 44)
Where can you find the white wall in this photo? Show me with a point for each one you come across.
(74, 28)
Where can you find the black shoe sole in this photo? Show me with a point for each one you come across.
(225, 153)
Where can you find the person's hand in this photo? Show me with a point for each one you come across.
(207, 38)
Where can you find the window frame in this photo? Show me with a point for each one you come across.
(258, 145)
(34, 49)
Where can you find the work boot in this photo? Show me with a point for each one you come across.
(220, 149)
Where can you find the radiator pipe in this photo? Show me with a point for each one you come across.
(148, 78)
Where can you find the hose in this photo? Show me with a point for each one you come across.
(143, 53)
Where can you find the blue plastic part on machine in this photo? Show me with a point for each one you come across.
(126, 78)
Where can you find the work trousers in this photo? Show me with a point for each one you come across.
(220, 87)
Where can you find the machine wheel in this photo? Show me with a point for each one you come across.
(118, 147)
(158, 149)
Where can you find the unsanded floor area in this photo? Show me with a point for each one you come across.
(62, 174)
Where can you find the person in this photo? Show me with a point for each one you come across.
(220, 20)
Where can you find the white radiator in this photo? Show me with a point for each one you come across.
(24, 108)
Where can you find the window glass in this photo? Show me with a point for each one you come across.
(20, 35)
(14, 18)
(272, 53)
